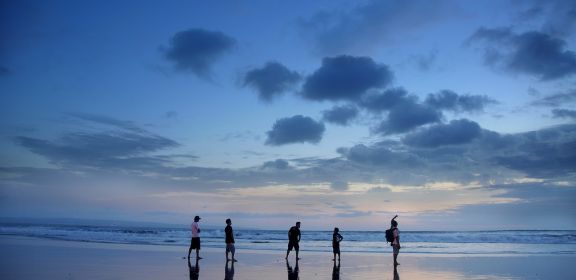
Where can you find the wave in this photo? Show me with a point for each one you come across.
(433, 242)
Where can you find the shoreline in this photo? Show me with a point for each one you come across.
(32, 258)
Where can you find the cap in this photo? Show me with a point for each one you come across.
(196, 218)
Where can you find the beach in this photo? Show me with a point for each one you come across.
(34, 258)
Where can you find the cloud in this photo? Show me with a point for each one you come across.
(557, 17)
(451, 101)
(296, 129)
(195, 50)
(339, 185)
(271, 80)
(279, 164)
(564, 114)
(123, 145)
(341, 115)
(407, 116)
(379, 155)
(456, 132)
(345, 78)
(386, 100)
(533, 53)
(363, 28)
(556, 100)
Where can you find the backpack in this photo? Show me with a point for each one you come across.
(390, 235)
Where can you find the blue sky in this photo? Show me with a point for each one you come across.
(452, 114)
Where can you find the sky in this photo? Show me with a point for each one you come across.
(455, 115)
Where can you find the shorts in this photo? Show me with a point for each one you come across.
(293, 244)
(195, 243)
(395, 249)
(230, 248)
(336, 248)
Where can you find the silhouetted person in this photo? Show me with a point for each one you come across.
(336, 238)
(292, 273)
(194, 270)
(336, 271)
(195, 242)
(229, 271)
(229, 240)
(396, 243)
(294, 240)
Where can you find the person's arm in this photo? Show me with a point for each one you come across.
(299, 236)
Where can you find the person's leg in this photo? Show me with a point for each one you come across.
(189, 250)
(338, 255)
(233, 249)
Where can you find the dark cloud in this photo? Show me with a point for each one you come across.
(279, 164)
(271, 80)
(379, 155)
(456, 132)
(98, 149)
(533, 53)
(195, 50)
(341, 115)
(122, 144)
(345, 78)
(407, 116)
(564, 114)
(386, 100)
(449, 100)
(556, 100)
(556, 17)
(121, 124)
(545, 153)
(296, 129)
(363, 27)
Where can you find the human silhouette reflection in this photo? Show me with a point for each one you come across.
(229, 271)
(194, 270)
(396, 276)
(292, 273)
(336, 271)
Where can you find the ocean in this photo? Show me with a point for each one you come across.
(421, 242)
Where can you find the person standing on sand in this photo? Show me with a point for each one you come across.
(294, 240)
(195, 242)
(336, 238)
(229, 240)
(396, 243)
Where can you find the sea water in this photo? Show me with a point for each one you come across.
(423, 242)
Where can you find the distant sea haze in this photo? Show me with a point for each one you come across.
(423, 242)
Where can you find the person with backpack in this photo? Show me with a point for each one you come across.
(393, 236)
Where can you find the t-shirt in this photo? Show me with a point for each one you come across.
(229, 234)
(293, 234)
(336, 238)
(195, 229)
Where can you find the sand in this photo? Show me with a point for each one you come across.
(33, 258)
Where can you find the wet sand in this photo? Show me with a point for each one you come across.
(32, 258)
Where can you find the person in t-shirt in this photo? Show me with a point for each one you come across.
(229, 240)
(396, 243)
(336, 238)
(195, 242)
(294, 240)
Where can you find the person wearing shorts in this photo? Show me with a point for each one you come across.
(195, 242)
(294, 240)
(396, 243)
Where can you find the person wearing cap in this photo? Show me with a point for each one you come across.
(396, 243)
(195, 242)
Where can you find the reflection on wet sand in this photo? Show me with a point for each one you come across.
(336, 271)
(229, 271)
(292, 273)
(194, 270)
